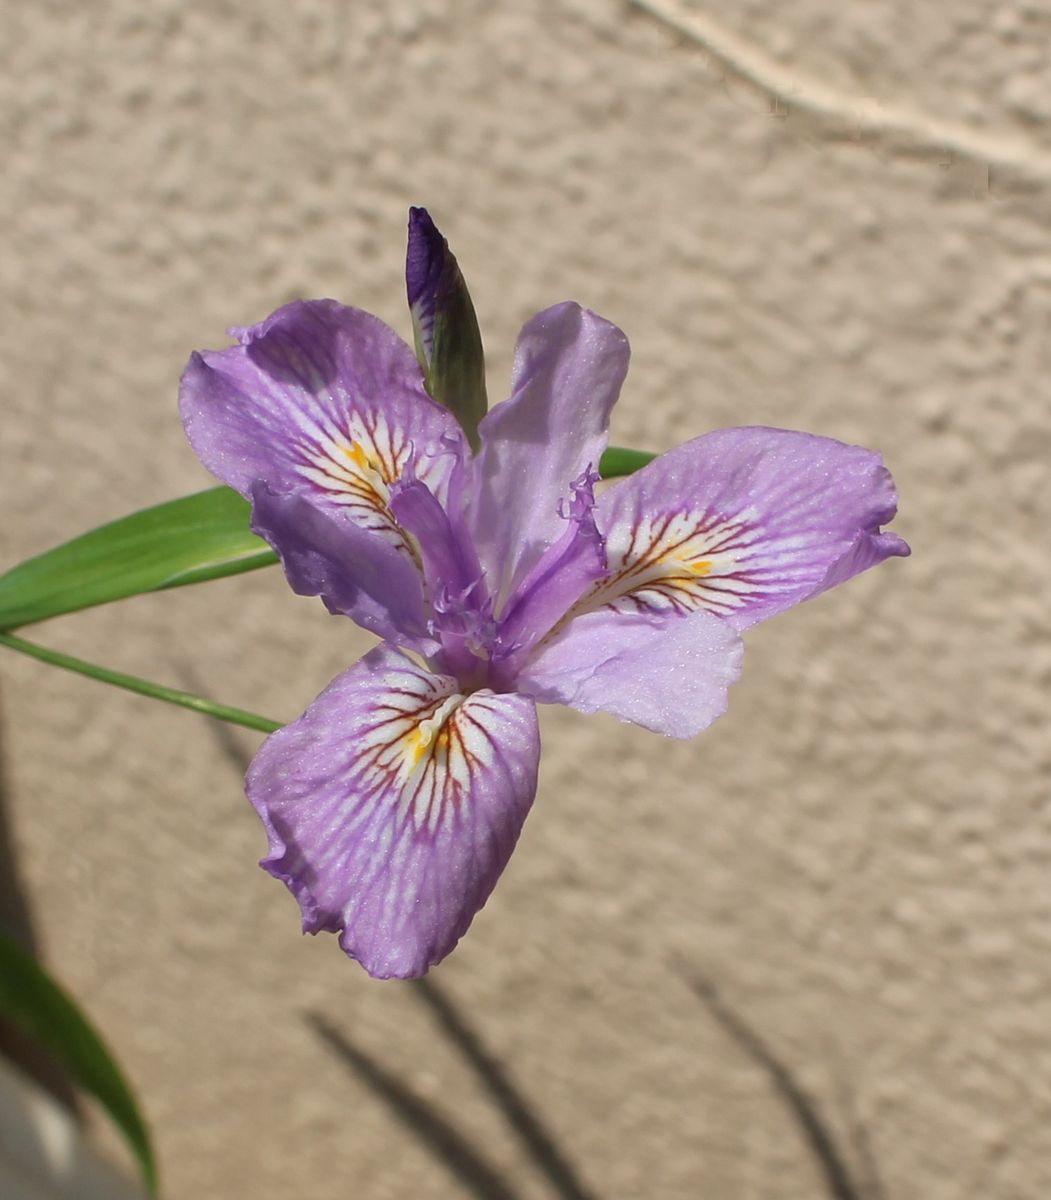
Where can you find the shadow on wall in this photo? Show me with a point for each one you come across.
(466, 1162)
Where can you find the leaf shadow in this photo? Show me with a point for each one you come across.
(519, 1114)
(840, 1182)
(227, 738)
(423, 1120)
(861, 1142)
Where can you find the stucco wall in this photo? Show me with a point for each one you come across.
(857, 856)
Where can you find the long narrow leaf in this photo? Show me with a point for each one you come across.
(33, 1001)
(191, 540)
(198, 537)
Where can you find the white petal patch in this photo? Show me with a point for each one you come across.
(355, 467)
(420, 751)
(686, 561)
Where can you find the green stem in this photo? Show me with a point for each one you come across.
(236, 716)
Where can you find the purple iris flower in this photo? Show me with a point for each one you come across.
(496, 580)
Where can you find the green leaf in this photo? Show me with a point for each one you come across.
(199, 537)
(619, 461)
(31, 999)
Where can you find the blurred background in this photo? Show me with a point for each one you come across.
(804, 955)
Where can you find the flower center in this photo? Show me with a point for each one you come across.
(431, 736)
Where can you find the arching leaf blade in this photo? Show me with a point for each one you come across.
(31, 1000)
(196, 538)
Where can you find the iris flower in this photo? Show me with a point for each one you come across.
(495, 579)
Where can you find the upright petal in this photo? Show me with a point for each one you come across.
(668, 674)
(569, 366)
(448, 557)
(321, 401)
(461, 615)
(743, 523)
(556, 581)
(393, 804)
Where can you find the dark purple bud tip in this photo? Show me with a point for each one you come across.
(445, 329)
(424, 257)
(427, 259)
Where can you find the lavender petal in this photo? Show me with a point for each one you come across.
(743, 523)
(356, 572)
(392, 806)
(668, 675)
(321, 401)
(569, 366)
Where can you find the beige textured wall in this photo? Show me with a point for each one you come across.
(857, 856)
